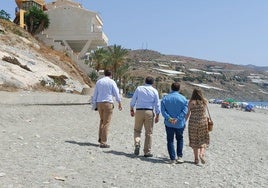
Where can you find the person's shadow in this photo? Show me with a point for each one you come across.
(158, 160)
(82, 143)
(129, 155)
(142, 158)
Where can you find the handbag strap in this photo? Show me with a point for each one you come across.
(208, 113)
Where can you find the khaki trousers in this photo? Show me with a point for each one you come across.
(105, 111)
(144, 118)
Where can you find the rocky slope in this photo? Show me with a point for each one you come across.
(27, 64)
(218, 80)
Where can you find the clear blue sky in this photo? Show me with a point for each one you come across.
(231, 31)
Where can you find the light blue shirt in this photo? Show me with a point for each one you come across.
(174, 105)
(105, 90)
(146, 96)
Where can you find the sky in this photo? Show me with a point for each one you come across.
(228, 31)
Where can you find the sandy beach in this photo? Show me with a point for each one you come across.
(50, 140)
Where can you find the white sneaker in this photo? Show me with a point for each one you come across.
(180, 160)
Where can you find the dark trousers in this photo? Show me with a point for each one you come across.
(178, 133)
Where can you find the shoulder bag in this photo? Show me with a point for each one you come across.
(210, 122)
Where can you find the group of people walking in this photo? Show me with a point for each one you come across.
(145, 107)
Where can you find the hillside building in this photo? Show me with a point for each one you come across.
(75, 27)
(23, 6)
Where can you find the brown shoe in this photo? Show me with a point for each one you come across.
(104, 146)
(148, 155)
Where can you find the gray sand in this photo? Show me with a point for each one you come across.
(56, 146)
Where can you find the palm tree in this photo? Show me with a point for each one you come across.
(123, 76)
(116, 55)
(36, 20)
(98, 57)
(106, 65)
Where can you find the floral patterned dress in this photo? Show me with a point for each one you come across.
(197, 127)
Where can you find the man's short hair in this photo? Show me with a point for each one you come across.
(149, 80)
(107, 73)
(175, 86)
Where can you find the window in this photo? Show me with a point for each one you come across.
(26, 5)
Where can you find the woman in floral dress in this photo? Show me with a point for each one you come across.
(197, 126)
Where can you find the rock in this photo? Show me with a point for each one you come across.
(86, 91)
(60, 178)
(20, 138)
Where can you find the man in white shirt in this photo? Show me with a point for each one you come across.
(146, 101)
(104, 92)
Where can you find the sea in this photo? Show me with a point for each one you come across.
(260, 105)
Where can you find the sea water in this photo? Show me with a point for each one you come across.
(260, 105)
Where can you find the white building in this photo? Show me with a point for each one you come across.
(74, 27)
(170, 72)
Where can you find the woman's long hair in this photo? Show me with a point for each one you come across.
(198, 96)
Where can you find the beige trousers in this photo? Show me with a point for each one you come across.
(105, 111)
(144, 118)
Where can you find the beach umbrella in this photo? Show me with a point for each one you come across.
(229, 100)
(249, 107)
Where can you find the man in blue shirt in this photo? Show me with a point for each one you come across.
(104, 92)
(146, 101)
(174, 107)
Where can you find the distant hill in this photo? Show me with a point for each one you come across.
(257, 68)
(217, 79)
